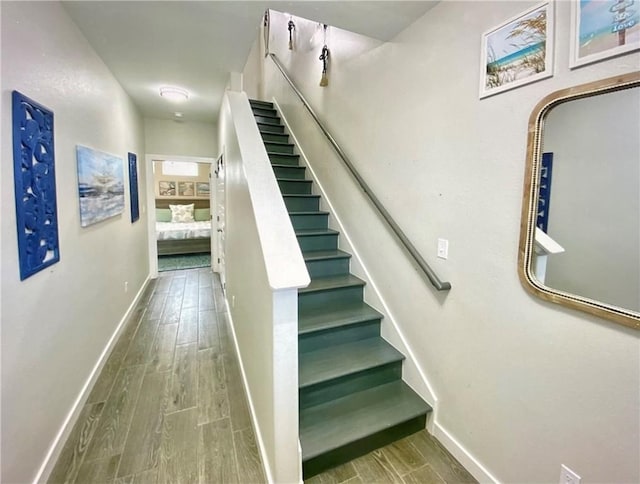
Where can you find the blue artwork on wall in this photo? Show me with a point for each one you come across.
(133, 187)
(544, 195)
(100, 185)
(35, 185)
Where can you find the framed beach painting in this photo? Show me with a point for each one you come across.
(202, 189)
(100, 185)
(518, 51)
(186, 189)
(167, 188)
(603, 28)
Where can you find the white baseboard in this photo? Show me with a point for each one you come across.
(465, 458)
(67, 426)
(254, 419)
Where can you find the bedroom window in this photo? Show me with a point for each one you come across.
(180, 168)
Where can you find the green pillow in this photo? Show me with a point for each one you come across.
(201, 214)
(163, 215)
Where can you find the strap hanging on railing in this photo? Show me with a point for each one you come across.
(431, 275)
(265, 31)
(291, 26)
(324, 57)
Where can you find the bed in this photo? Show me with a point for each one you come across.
(185, 237)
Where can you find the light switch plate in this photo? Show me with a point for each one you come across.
(443, 248)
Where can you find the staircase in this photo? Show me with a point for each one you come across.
(352, 397)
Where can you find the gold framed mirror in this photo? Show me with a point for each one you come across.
(580, 225)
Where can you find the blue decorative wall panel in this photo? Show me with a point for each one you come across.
(35, 185)
(544, 196)
(133, 187)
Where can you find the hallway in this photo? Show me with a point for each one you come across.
(169, 406)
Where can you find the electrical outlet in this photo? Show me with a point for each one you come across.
(567, 476)
(443, 248)
(126, 286)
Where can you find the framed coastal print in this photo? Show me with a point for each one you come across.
(167, 188)
(202, 189)
(518, 51)
(186, 189)
(100, 185)
(603, 28)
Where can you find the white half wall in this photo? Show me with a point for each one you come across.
(57, 323)
(523, 385)
(263, 269)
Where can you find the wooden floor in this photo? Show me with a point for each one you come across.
(169, 406)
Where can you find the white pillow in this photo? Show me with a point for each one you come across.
(181, 213)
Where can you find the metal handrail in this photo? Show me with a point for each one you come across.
(431, 275)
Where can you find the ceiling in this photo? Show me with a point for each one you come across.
(196, 44)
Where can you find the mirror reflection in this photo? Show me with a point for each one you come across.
(580, 231)
(589, 201)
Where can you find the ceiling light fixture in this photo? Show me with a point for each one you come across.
(178, 115)
(175, 94)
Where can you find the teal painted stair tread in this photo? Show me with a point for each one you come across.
(312, 321)
(325, 292)
(270, 128)
(290, 186)
(264, 111)
(315, 255)
(284, 158)
(289, 171)
(302, 202)
(268, 120)
(315, 239)
(329, 283)
(278, 143)
(324, 263)
(257, 102)
(281, 137)
(313, 232)
(337, 361)
(309, 219)
(338, 423)
(277, 147)
(308, 212)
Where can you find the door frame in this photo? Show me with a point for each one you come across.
(151, 202)
(220, 190)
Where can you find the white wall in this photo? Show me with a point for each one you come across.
(522, 385)
(181, 138)
(595, 197)
(253, 69)
(56, 323)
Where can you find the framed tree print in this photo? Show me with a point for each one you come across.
(518, 51)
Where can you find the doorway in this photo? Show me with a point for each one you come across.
(180, 245)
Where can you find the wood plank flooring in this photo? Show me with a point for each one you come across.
(170, 407)
(160, 411)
